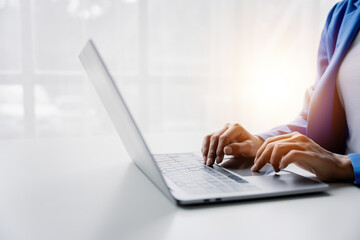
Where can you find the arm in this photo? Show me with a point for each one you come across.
(283, 145)
(296, 148)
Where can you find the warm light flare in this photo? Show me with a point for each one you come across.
(274, 90)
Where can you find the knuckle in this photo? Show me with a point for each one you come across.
(214, 137)
(293, 153)
(269, 146)
(268, 140)
(276, 147)
(207, 137)
(301, 137)
(294, 134)
(205, 142)
(284, 160)
(211, 153)
(205, 145)
(238, 127)
(223, 138)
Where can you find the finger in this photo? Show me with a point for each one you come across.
(280, 150)
(243, 148)
(270, 140)
(224, 140)
(266, 155)
(205, 146)
(296, 156)
(212, 150)
(260, 161)
(213, 145)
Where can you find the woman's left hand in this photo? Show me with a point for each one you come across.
(296, 148)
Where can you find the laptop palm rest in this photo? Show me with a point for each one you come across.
(267, 178)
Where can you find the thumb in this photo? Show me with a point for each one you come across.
(242, 148)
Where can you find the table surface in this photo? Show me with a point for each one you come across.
(88, 188)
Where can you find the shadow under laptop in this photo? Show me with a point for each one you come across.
(137, 210)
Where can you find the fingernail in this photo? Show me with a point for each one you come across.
(281, 166)
(204, 159)
(217, 159)
(253, 168)
(208, 161)
(228, 150)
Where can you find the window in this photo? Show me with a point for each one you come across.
(183, 66)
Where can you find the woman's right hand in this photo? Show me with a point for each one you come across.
(232, 139)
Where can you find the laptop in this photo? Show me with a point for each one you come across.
(183, 177)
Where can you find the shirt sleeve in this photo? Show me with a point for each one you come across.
(355, 161)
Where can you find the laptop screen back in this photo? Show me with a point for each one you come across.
(120, 115)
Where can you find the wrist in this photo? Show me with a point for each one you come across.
(345, 169)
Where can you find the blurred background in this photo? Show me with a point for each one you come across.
(183, 66)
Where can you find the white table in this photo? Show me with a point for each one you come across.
(87, 188)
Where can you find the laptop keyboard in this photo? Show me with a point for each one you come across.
(188, 171)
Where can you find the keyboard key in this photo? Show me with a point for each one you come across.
(188, 172)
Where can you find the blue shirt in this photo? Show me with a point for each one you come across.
(323, 118)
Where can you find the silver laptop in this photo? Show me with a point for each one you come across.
(183, 177)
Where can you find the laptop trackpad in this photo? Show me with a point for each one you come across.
(242, 166)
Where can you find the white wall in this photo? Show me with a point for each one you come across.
(183, 66)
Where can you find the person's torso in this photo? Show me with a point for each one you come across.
(348, 85)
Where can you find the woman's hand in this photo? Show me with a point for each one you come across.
(296, 148)
(232, 139)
